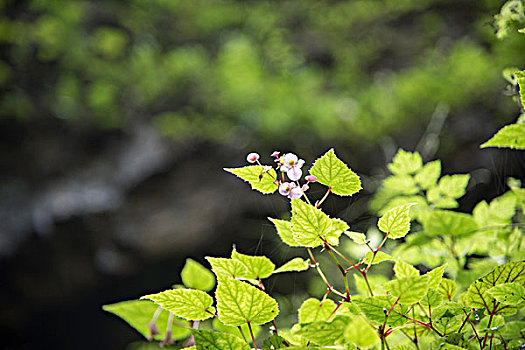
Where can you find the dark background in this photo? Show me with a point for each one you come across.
(117, 117)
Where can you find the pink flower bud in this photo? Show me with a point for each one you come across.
(252, 157)
(276, 154)
(311, 178)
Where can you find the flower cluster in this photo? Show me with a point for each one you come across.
(290, 165)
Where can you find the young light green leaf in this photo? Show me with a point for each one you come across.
(521, 79)
(380, 257)
(435, 276)
(296, 264)
(409, 289)
(396, 221)
(324, 333)
(400, 185)
(284, 230)
(221, 327)
(256, 266)
(338, 228)
(224, 267)
(373, 308)
(508, 293)
(218, 341)
(360, 333)
(239, 302)
(194, 275)
(447, 288)
(313, 310)
(258, 179)
(357, 237)
(189, 304)
(449, 223)
(332, 172)
(308, 223)
(453, 186)
(448, 317)
(477, 293)
(510, 136)
(138, 314)
(402, 269)
(405, 163)
(432, 299)
(428, 176)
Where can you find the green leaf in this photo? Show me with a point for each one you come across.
(224, 267)
(508, 293)
(374, 309)
(402, 269)
(447, 288)
(510, 136)
(296, 264)
(194, 275)
(432, 299)
(332, 172)
(221, 327)
(275, 342)
(453, 186)
(478, 297)
(380, 257)
(256, 266)
(324, 333)
(396, 221)
(284, 230)
(357, 237)
(338, 228)
(189, 304)
(313, 310)
(138, 314)
(401, 184)
(262, 182)
(211, 340)
(239, 303)
(448, 317)
(308, 223)
(405, 163)
(428, 176)
(521, 79)
(435, 276)
(409, 289)
(449, 223)
(360, 333)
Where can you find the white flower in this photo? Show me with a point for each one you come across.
(252, 157)
(292, 165)
(290, 190)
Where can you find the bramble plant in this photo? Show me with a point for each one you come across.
(470, 296)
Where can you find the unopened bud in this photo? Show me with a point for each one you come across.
(276, 154)
(311, 178)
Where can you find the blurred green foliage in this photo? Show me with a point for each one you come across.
(220, 69)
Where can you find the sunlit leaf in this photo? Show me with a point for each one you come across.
(405, 163)
(296, 264)
(435, 276)
(194, 275)
(444, 222)
(324, 333)
(313, 310)
(396, 221)
(218, 341)
(256, 266)
(402, 269)
(308, 223)
(379, 257)
(189, 304)
(508, 293)
(428, 176)
(510, 136)
(360, 333)
(332, 172)
(224, 267)
(284, 230)
(239, 302)
(409, 289)
(357, 237)
(260, 181)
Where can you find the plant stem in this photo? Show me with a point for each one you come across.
(318, 204)
(474, 329)
(251, 333)
(323, 277)
(242, 333)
